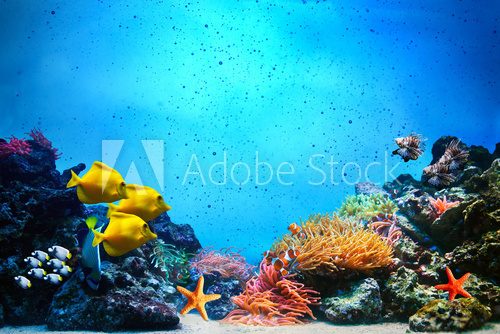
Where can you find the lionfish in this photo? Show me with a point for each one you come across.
(454, 156)
(410, 147)
(438, 174)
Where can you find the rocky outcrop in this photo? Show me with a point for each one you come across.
(36, 212)
(130, 297)
(402, 295)
(360, 304)
(456, 315)
(180, 235)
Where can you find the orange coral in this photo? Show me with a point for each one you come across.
(272, 300)
(332, 243)
(441, 205)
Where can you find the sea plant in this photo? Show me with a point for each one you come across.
(334, 243)
(172, 262)
(225, 262)
(14, 146)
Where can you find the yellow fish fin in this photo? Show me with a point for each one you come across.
(60, 278)
(29, 284)
(111, 208)
(98, 238)
(91, 222)
(69, 256)
(113, 251)
(70, 270)
(75, 180)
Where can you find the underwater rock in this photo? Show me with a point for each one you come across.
(414, 205)
(480, 256)
(130, 297)
(35, 169)
(180, 235)
(456, 315)
(401, 185)
(427, 264)
(361, 304)
(36, 212)
(1, 316)
(369, 188)
(227, 288)
(486, 292)
(402, 295)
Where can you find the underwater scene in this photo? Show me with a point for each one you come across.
(250, 166)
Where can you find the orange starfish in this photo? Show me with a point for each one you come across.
(441, 205)
(454, 286)
(197, 299)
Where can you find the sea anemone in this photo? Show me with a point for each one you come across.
(41, 140)
(366, 206)
(410, 147)
(439, 206)
(172, 262)
(15, 146)
(225, 262)
(272, 300)
(333, 243)
(386, 226)
(454, 156)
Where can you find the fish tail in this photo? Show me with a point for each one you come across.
(75, 180)
(91, 222)
(111, 208)
(98, 238)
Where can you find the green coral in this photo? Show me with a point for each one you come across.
(367, 206)
(173, 262)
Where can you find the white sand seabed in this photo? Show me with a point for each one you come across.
(193, 324)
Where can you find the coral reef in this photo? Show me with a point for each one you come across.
(332, 244)
(366, 206)
(271, 300)
(179, 235)
(226, 288)
(457, 315)
(226, 263)
(14, 146)
(361, 304)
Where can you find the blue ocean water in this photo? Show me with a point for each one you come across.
(169, 90)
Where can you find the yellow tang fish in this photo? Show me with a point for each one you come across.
(101, 184)
(124, 233)
(142, 201)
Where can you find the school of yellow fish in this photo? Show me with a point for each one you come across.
(128, 226)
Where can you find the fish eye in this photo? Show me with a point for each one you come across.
(122, 184)
(160, 197)
(145, 226)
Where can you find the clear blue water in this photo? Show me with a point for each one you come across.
(290, 80)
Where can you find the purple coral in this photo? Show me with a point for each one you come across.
(386, 226)
(15, 146)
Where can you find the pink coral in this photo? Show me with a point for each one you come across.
(41, 140)
(387, 227)
(15, 146)
(226, 263)
(439, 205)
(272, 300)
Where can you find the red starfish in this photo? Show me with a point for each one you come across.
(454, 286)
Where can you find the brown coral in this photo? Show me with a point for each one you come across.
(332, 243)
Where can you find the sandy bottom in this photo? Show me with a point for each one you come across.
(193, 324)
